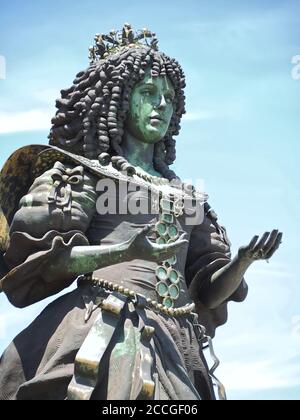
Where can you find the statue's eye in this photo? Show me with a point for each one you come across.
(169, 98)
(147, 92)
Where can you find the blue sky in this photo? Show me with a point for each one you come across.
(240, 135)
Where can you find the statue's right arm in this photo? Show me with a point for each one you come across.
(52, 225)
(86, 259)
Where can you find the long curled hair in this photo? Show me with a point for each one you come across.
(92, 112)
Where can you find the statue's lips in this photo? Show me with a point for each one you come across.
(156, 120)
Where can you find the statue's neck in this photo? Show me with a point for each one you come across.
(139, 153)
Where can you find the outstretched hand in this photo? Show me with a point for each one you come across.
(261, 249)
(140, 247)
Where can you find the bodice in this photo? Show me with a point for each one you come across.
(151, 279)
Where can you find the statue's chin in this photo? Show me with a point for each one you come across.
(153, 134)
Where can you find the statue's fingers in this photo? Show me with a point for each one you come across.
(166, 253)
(182, 237)
(270, 242)
(142, 232)
(261, 242)
(275, 246)
(148, 228)
(176, 245)
(167, 250)
(181, 241)
(252, 242)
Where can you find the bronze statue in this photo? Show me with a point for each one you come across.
(151, 286)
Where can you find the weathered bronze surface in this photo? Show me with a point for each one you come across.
(151, 287)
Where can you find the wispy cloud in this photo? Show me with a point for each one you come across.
(261, 375)
(32, 120)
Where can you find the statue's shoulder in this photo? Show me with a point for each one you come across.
(28, 163)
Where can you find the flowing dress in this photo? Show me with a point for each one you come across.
(60, 212)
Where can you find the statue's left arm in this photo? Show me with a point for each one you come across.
(213, 277)
(224, 282)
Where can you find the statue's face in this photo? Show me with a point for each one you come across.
(151, 108)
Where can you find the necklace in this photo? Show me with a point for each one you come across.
(156, 180)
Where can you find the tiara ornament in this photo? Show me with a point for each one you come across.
(106, 45)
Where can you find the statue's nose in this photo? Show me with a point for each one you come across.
(162, 102)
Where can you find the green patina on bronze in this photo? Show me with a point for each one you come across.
(151, 108)
(122, 361)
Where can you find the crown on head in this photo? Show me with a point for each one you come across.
(106, 45)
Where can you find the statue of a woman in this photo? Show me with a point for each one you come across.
(151, 285)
